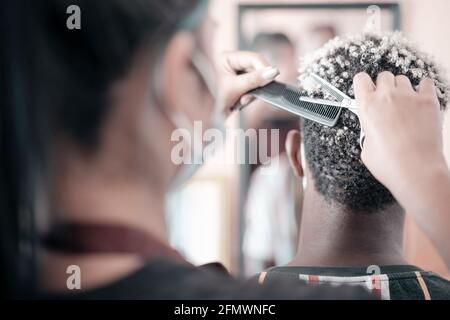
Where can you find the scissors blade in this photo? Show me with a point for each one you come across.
(328, 87)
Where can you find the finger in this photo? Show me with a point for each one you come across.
(426, 87)
(385, 81)
(243, 102)
(245, 60)
(403, 82)
(427, 90)
(362, 85)
(252, 80)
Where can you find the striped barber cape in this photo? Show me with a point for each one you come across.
(398, 282)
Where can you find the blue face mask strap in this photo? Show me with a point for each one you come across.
(193, 19)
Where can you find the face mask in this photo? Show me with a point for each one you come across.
(181, 121)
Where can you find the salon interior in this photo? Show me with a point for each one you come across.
(249, 221)
(245, 206)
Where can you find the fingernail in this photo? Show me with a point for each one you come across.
(270, 73)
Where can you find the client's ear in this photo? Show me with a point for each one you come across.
(293, 151)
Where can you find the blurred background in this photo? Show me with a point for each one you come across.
(247, 220)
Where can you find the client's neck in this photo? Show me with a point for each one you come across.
(332, 236)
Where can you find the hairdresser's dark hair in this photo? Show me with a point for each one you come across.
(333, 154)
(56, 81)
(76, 67)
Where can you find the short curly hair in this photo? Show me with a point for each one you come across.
(333, 154)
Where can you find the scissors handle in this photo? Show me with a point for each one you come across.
(344, 101)
(362, 137)
(350, 104)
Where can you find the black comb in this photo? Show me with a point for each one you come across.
(287, 97)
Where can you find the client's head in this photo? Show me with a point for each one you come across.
(332, 154)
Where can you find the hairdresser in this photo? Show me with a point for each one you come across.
(403, 149)
(105, 100)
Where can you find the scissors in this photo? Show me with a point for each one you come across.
(342, 100)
